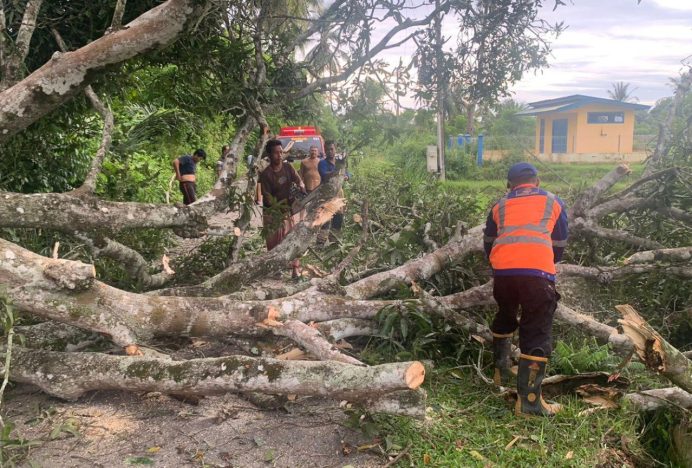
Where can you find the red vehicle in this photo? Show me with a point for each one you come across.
(300, 139)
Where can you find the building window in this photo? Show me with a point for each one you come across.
(605, 117)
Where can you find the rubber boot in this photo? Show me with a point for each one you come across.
(529, 379)
(502, 350)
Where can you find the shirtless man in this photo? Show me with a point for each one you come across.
(185, 169)
(308, 170)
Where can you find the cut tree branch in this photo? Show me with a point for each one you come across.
(658, 355)
(106, 114)
(680, 254)
(132, 261)
(589, 228)
(651, 400)
(418, 268)
(312, 340)
(118, 14)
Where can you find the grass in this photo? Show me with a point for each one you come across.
(470, 425)
(565, 180)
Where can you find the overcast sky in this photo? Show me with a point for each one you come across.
(606, 41)
(614, 40)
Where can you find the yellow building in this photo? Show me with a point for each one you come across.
(581, 128)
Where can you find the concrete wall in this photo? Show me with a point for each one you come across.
(604, 138)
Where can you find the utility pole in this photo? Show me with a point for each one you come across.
(396, 90)
(440, 96)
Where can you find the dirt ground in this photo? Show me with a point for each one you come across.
(114, 429)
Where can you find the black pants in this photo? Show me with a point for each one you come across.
(189, 190)
(538, 300)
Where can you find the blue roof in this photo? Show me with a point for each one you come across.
(576, 101)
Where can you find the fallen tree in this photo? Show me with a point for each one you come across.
(315, 316)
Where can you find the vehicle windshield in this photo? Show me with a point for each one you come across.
(301, 145)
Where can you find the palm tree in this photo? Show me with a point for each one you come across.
(621, 92)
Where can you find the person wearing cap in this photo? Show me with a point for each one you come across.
(185, 172)
(525, 235)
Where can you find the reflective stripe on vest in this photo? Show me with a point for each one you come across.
(541, 228)
(523, 240)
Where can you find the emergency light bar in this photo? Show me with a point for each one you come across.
(297, 131)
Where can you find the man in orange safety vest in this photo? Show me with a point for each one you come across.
(525, 235)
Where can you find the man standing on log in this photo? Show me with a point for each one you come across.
(185, 172)
(525, 235)
(276, 182)
(327, 169)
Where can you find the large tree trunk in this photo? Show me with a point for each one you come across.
(67, 291)
(70, 375)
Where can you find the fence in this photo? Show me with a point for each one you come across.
(496, 147)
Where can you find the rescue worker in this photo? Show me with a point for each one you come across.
(525, 235)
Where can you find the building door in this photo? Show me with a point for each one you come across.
(541, 138)
(559, 136)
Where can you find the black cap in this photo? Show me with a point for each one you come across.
(520, 170)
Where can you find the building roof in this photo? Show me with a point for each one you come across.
(576, 101)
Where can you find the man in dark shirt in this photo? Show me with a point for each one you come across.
(276, 181)
(327, 169)
(185, 172)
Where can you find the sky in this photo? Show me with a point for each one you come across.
(605, 41)
(614, 40)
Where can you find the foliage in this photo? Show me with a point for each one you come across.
(585, 356)
(407, 333)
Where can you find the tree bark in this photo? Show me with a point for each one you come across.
(651, 400)
(70, 375)
(603, 333)
(312, 340)
(56, 336)
(338, 329)
(411, 403)
(70, 213)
